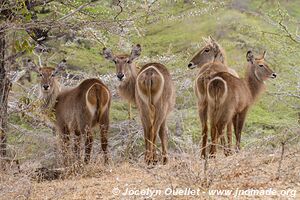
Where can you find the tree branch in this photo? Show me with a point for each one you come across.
(285, 28)
(74, 11)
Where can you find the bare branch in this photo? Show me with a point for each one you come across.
(121, 9)
(74, 11)
(285, 28)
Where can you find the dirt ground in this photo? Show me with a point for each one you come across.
(268, 174)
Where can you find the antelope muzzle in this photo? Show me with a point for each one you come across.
(273, 75)
(191, 65)
(120, 76)
(46, 87)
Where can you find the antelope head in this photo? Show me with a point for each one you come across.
(47, 76)
(259, 67)
(209, 53)
(123, 62)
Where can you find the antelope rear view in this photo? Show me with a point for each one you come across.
(155, 97)
(229, 97)
(209, 60)
(76, 110)
(152, 91)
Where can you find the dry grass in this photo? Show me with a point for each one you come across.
(256, 168)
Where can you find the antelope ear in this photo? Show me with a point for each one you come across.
(212, 39)
(60, 67)
(135, 52)
(107, 53)
(249, 56)
(264, 54)
(207, 41)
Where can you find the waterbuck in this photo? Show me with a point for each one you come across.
(229, 97)
(76, 110)
(152, 91)
(126, 74)
(209, 60)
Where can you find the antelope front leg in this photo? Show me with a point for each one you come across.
(103, 130)
(223, 143)
(214, 140)
(203, 119)
(228, 151)
(129, 111)
(88, 145)
(77, 144)
(220, 134)
(238, 122)
(235, 126)
(65, 138)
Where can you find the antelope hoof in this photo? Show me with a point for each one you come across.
(148, 159)
(227, 152)
(105, 159)
(130, 118)
(237, 149)
(212, 155)
(155, 159)
(164, 160)
(87, 160)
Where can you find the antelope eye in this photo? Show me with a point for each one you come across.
(261, 65)
(115, 61)
(40, 75)
(206, 50)
(128, 62)
(52, 75)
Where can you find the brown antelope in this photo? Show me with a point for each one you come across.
(76, 110)
(153, 92)
(229, 97)
(210, 59)
(126, 73)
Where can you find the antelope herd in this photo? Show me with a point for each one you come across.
(223, 100)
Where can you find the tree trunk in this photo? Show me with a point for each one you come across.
(5, 86)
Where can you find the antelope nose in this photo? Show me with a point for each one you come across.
(191, 65)
(274, 75)
(120, 76)
(46, 87)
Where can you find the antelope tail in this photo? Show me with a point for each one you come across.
(150, 105)
(101, 95)
(216, 95)
(150, 101)
(217, 91)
